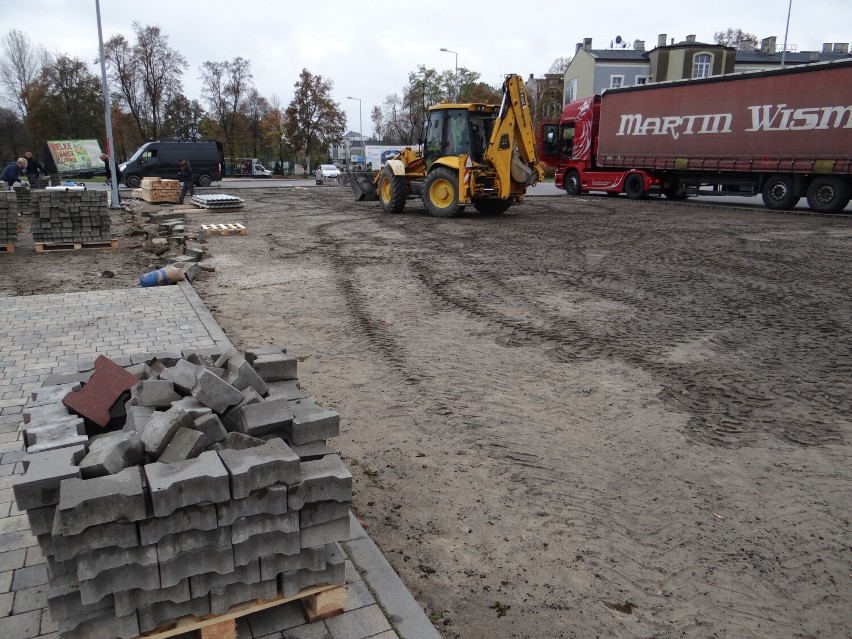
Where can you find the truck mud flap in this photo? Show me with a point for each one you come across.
(362, 186)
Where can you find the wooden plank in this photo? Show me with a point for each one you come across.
(41, 247)
(325, 604)
(191, 624)
(224, 229)
(7, 248)
(222, 630)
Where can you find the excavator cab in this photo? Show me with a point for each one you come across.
(455, 131)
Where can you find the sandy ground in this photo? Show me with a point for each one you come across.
(586, 417)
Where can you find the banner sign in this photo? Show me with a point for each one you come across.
(75, 155)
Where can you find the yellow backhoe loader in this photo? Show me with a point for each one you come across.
(473, 154)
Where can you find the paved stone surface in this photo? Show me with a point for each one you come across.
(45, 339)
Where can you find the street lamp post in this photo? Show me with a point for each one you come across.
(456, 74)
(786, 31)
(360, 130)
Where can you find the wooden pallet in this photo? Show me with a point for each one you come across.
(41, 247)
(320, 602)
(224, 229)
(7, 248)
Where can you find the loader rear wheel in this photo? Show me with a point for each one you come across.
(441, 193)
(828, 194)
(634, 186)
(778, 193)
(492, 207)
(392, 191)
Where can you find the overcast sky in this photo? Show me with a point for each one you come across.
(367, 48)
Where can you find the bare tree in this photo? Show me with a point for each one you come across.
(160, 68)
(735, 38)
(224, 87)
(20, 66)
(256, 108)
(147, 74)
(560, 65)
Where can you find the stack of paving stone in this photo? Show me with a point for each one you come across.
(156, 189)
(219, 489)
(60, 217)
(23, 195)
(8, 219)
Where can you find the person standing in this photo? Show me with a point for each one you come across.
(105, 159)
(185, 176)
(12, 172)
(34, 169)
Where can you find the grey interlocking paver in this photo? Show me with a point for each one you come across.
(44, 340)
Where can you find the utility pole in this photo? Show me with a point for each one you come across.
(114, 203)
(360, 132)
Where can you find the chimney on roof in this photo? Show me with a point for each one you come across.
(639, 45)
(814, 56)
(827, 47)
(578, 47)
(672, 42)
(767, 45)
(691, 38)
(841, 47)
(587, 44)
(661, 40)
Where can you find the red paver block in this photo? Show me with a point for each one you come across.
(102, 390)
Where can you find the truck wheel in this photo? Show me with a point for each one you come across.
(572, 184)
(492, 206)
(778, 193)
(204, 180)
(634, 186)
(441, 193)
(392, 191)
(828, 194)
(133, 181)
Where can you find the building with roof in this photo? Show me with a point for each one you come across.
(593, 71)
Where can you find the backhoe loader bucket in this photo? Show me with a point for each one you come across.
(362, 185)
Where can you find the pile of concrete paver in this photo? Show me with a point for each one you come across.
(60, 217)
(218, 488)
(8, 218)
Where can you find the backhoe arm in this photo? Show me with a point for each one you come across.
(511, 150)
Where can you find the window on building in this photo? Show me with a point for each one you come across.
(570, 91)
(642, 79)
(701, 65)
(616, 81)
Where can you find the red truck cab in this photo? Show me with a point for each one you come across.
(784, 134)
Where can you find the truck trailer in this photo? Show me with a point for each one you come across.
(784, 133)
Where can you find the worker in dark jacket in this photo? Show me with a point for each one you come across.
(34, 170)
(185, 176)
(12, 172)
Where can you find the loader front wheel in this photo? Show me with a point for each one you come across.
(392, 191)
(441, 193)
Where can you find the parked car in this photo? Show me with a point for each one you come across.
(327, 172)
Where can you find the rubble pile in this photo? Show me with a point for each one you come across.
(60, 217)
(180, 484)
